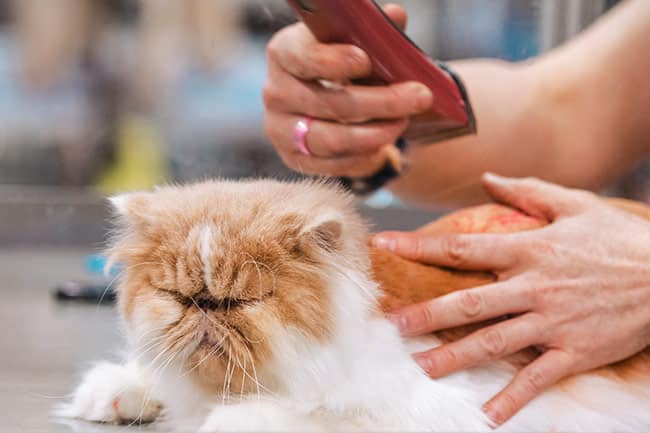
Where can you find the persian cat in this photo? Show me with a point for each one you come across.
(258, 306)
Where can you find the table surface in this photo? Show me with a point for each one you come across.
(47, 344)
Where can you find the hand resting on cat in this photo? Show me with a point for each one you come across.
(579, 289)
(257, 306)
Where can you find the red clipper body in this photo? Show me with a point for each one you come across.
(395, 58)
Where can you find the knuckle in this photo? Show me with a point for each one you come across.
(533, 381)
(377, 138)
(416, 248)
(357, 61)
(447, 358)
(540, 292)
(300, 65)
(543, 328)
(365, 137)
(345, 106)
(428, 315)
(470, 303)
(543, 248)
(273, 47)
(454, 249)
(400, 100)
(336, 144)
(509, 402)
(388, 103)
(493, 342)
(270, 95)
(322, 62)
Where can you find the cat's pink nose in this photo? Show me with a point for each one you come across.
(205, 332)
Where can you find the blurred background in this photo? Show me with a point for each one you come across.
(101, 96)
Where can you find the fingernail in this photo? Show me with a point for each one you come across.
(493, 415)
(423, 98)
(384, 243)
(495, 178)
(424, 361)
(397, 320)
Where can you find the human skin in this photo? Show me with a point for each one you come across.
(575, 116)
(578, 289)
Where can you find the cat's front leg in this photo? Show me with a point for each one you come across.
(112, 393)
(259, 415)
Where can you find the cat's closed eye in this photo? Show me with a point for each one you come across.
(205, 301)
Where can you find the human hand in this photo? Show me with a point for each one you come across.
(352, 124)
(579, 289)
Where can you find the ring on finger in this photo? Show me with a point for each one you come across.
(300, 132)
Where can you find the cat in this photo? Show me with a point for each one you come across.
(259, 306)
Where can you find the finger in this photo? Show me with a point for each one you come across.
(536, 197)
(459, 251)
(296, 51)
(397, 14)
(463, 307)
(349, 104)
(351, 166)
(493, 342)
(547, 370)
(334, 140)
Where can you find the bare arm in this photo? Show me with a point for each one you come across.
(576, 116)
(579, 115)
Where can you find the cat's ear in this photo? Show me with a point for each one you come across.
(326, 231)
(133, 208)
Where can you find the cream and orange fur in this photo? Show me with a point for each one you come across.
(257, 306)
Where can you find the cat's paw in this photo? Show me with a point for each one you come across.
(112, 393)
(257, 416)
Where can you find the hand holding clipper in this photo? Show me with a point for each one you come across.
(394, 59)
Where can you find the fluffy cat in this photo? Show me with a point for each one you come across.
(257, 306)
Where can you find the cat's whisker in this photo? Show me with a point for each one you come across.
(259, 272)
(224, 395)
(255, 378)
(157, 374)
(146, 348)
(117, 276)
(238, 364)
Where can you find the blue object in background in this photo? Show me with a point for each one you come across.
(96, 265)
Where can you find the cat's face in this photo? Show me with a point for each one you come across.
(215, 274)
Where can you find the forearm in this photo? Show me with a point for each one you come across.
(509, 134)
(577, 116)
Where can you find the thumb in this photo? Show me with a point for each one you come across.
(397, 14)
(536, 197)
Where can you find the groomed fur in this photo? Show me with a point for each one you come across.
(251, 306)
